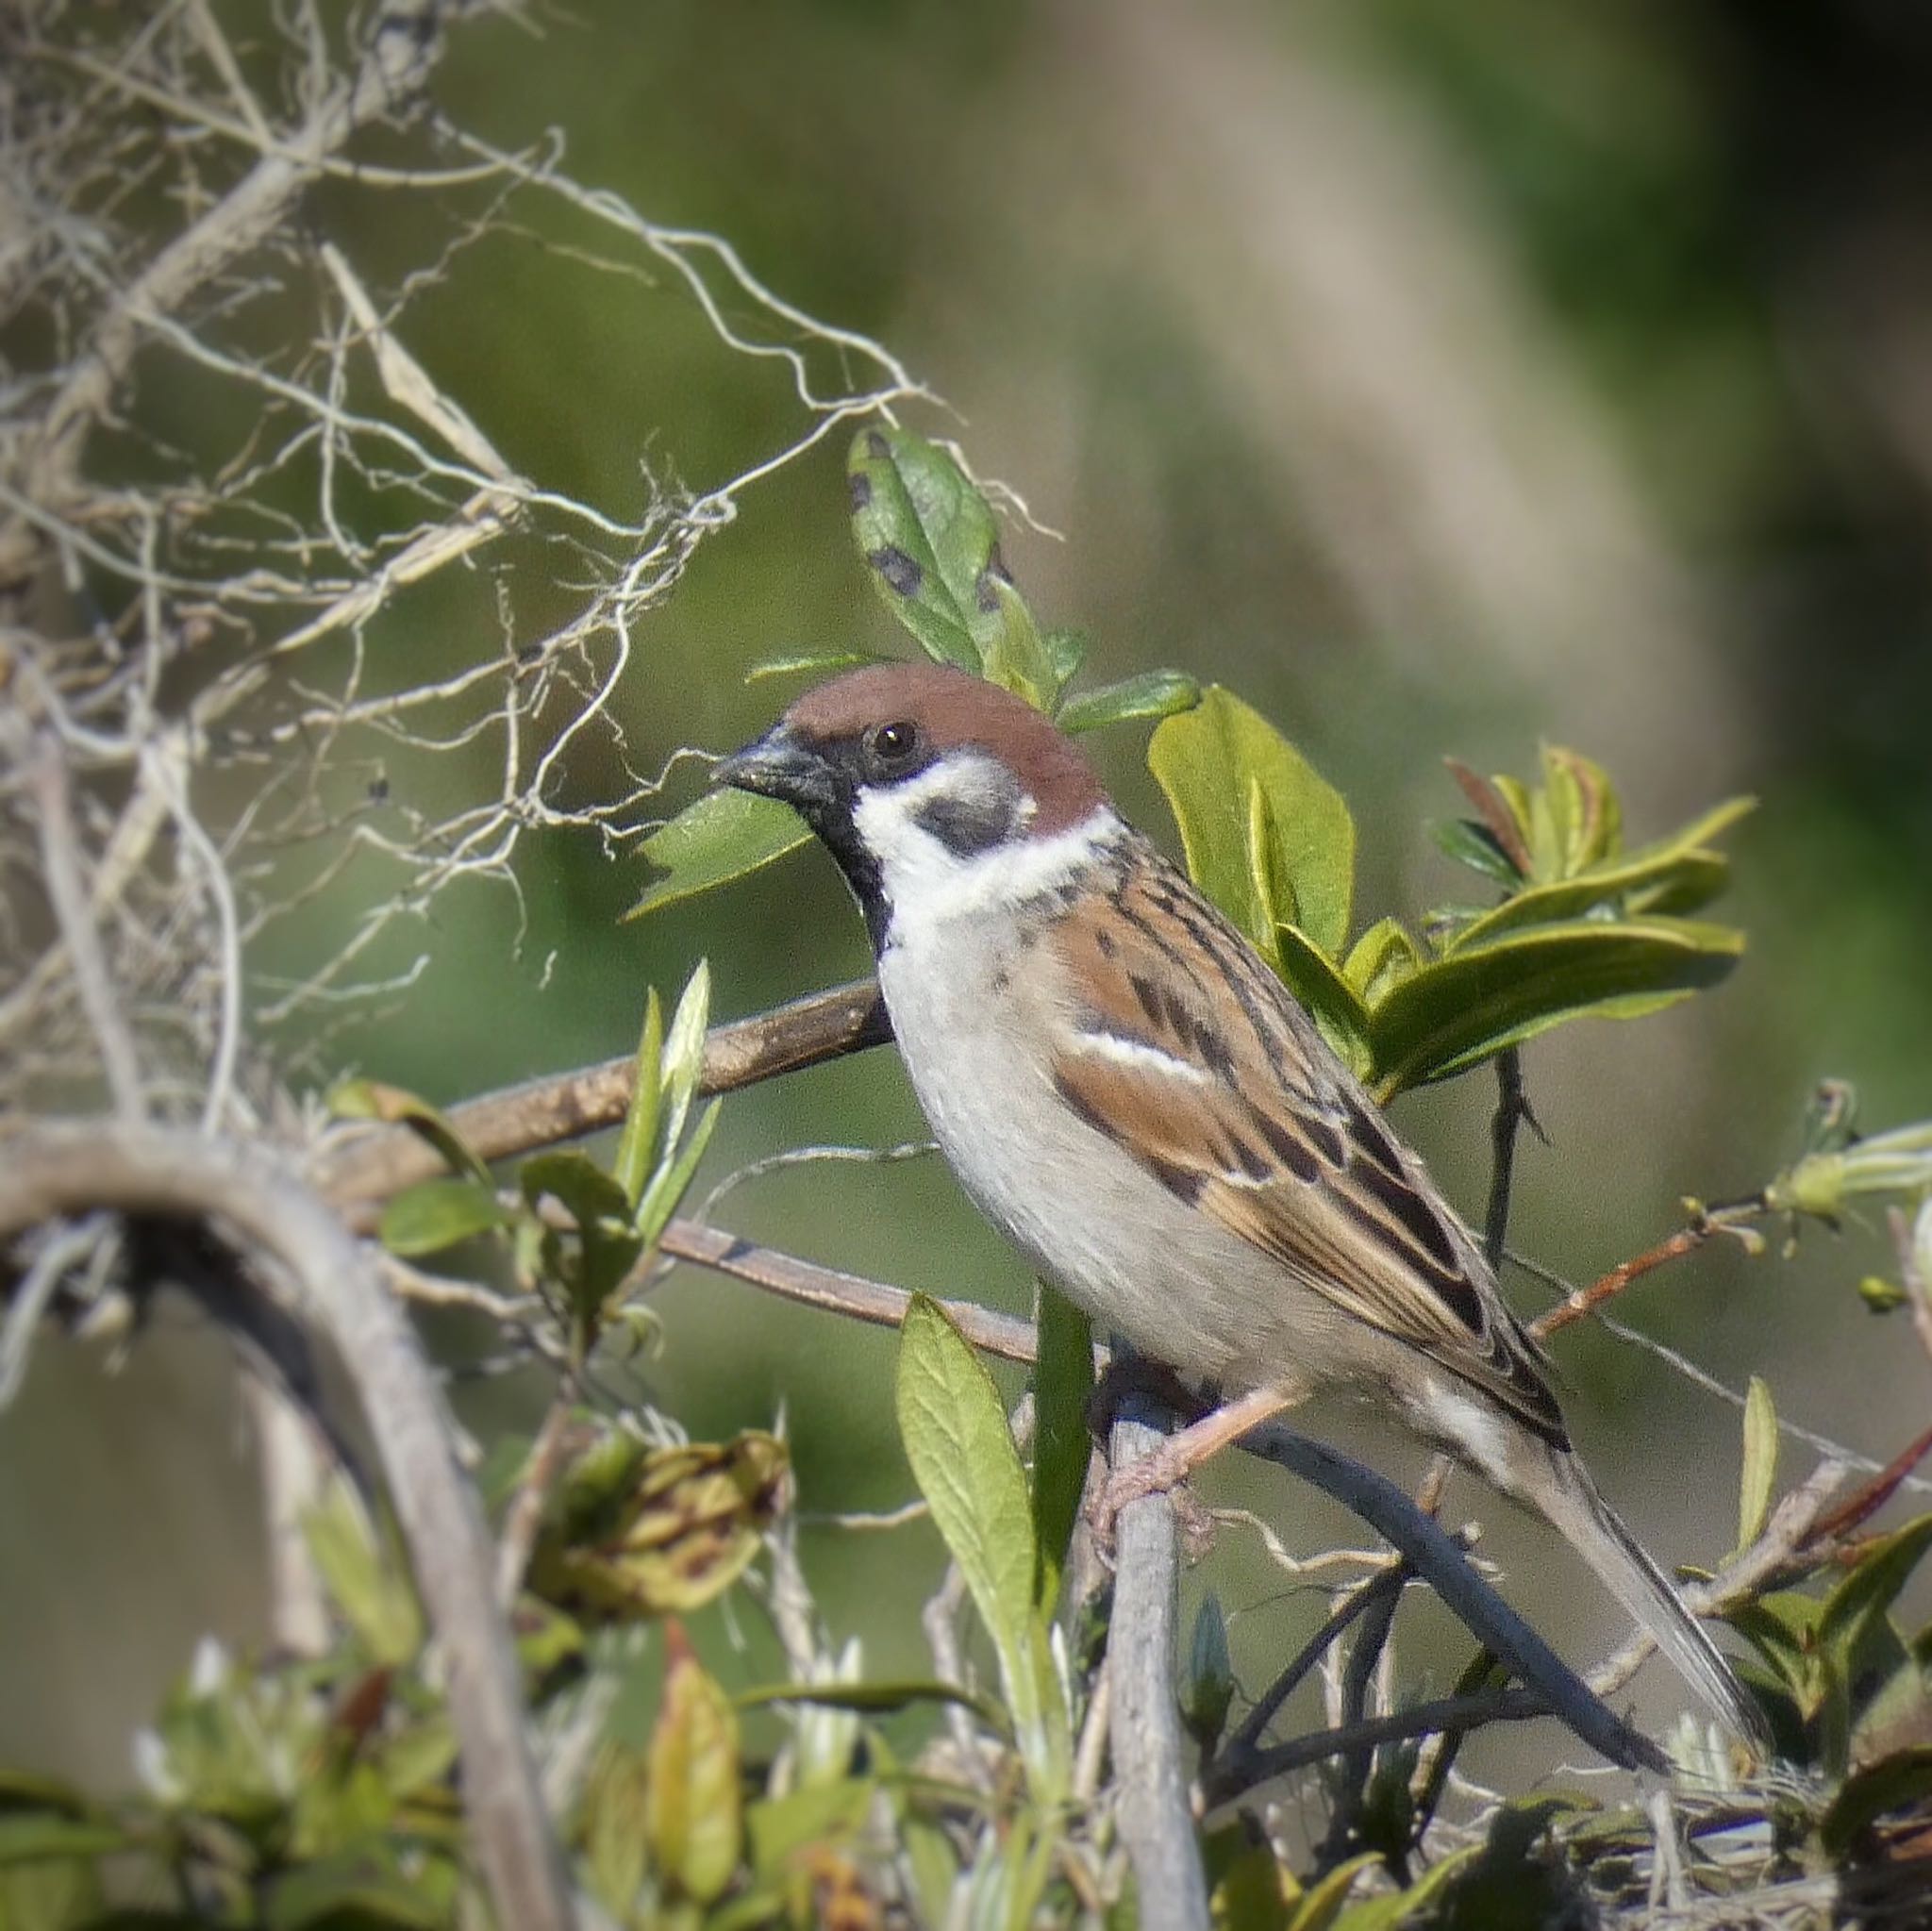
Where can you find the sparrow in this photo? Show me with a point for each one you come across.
(1131, 1094)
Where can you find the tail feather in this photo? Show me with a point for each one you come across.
(1570, 1499)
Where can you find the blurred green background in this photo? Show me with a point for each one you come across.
(1443, 378)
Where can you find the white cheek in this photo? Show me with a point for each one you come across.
(927, 884)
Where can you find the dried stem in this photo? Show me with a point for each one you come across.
(60, 863)
(264, 1210)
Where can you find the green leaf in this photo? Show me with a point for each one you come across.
(780, 1827)
(1385, 1913)
(608, 1247)
(930, 541)
(963, 1459)
(1066, 650)
(1862, 1600)
(813, 664)
(1476, 846)
(1585, 814)
(1062, 1382)
(725, 835)
(1380, 959)
(1462, 1008)
(371, 1099)
(692, 1807)
(637, 1145)
(1333, 1004)
(661, 1198)
(572, 1178)
(1211, 761)
(615, 1822)
(1207, 1685)
(1899, 1782)
(1151, 695)
(341, 1892)
(66, 1894)
(368, 1585)
(27, 1836)
(1320, 1905)
(1015, 655)
(435, 1214)
(1244, 1885)
(1675, 876)
(1760, 1462)
(684, 1052)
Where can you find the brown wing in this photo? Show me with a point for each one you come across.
(1255, 1120)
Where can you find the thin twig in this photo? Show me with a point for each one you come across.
(1155, 1821)
(247, 1190)
(1441, 1562)
(1005, 1335)
(1512, 1112)
(1445, 1715)
(60, 863)
(1608, 1286)
(525, 1516)
(1358, 1760)
(1247, 1739)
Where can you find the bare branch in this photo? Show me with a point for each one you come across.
(251, 1193)
(1155, 1820)
(369, 1165)
(1006, 1335)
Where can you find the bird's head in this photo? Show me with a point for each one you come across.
(927, 785)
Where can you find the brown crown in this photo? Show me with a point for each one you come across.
(952, 710)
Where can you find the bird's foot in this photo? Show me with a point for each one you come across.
(1162, 1472)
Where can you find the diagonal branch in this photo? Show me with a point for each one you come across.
(370, 1165)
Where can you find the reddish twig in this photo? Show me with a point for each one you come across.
(1870, 1496)
(1672, 1247)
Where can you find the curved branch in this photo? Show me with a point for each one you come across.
(269, 1213)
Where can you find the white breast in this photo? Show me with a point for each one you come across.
(970, 1002)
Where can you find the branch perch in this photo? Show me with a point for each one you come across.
(53, 1172)
(1156, 1819)
(371, 1165)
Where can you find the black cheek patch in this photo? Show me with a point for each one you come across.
(860, 487)
(965, 825)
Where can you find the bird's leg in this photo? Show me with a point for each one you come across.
(1128, 1374)
(1181, 1454)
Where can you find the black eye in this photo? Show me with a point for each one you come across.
(893, 744)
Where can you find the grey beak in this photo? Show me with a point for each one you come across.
(778, 766)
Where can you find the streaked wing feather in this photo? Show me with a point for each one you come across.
(1260, 1124)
